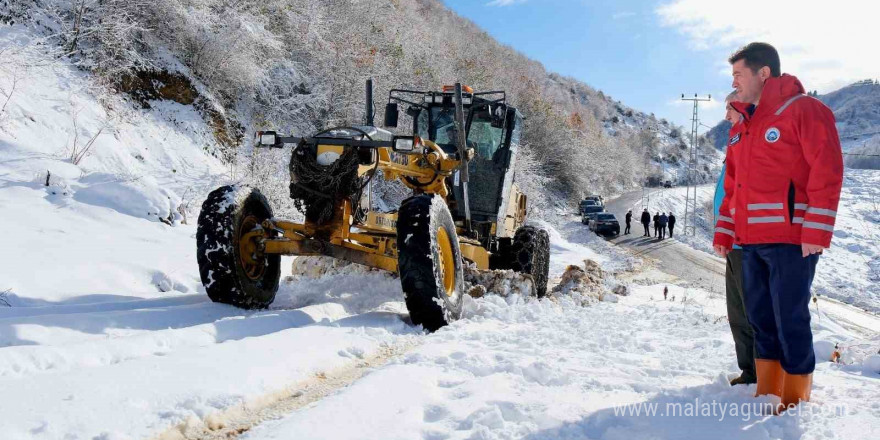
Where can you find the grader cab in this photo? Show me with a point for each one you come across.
(464, 209)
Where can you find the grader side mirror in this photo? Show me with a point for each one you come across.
(391, 114)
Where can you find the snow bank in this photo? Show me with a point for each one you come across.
(96, 225)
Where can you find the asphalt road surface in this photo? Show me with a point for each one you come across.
(697, 268)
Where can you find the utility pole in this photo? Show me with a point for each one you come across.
(690, 204)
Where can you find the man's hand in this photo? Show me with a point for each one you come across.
(721, 250)
(809, 249)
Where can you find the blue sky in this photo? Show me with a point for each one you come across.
(647, 53)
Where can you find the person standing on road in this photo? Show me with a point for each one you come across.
(646, 220)
(671, 223)
(663, 221)
(782, 188)
(656, 224)
(743, 335)
(629, 216)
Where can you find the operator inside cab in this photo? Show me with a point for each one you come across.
(485, 139)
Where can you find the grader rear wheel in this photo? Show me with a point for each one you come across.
(530, 253)
(429, 262)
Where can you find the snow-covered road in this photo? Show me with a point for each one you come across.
(135, 366)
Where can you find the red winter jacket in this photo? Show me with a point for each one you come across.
(784, 173)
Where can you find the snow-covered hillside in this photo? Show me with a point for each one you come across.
(87, 171)
(850, 270)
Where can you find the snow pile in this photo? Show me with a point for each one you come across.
(585, 284)
(497, 282)
(320, 266)
(477, 282)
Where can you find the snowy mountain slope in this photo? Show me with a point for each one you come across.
(857, 110)
(850, 270)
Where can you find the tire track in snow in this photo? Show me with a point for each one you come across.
(239, 419)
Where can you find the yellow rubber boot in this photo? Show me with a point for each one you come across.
(796, 388)
(770, 377)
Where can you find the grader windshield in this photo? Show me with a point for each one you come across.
(438, 125)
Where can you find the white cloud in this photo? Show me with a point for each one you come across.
(825, 44)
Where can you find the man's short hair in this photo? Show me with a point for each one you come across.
(731, 97)
(757, 55)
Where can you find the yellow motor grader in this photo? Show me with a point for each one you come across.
(465, 207)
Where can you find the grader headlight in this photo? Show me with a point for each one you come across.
(408, 145)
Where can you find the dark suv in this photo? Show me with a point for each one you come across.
(605, 223)
(589, 210)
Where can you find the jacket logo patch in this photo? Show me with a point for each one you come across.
(772, 135)
(734, 139)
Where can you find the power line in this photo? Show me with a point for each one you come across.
(690, 205)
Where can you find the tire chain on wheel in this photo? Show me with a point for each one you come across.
(418, 219)
(219, 265)
(316, 189)
(530, 253)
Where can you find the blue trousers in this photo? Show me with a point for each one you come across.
(776, 283)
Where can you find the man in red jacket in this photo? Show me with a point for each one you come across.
(782, 190)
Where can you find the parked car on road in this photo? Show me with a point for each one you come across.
(589, 216)
(592, 204)
(596, 198)
(591, 208)
(605, 223)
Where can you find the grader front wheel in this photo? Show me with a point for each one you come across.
(232, 268)
(429, 262)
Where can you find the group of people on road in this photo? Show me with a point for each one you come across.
(661, 223)
(776, 204)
